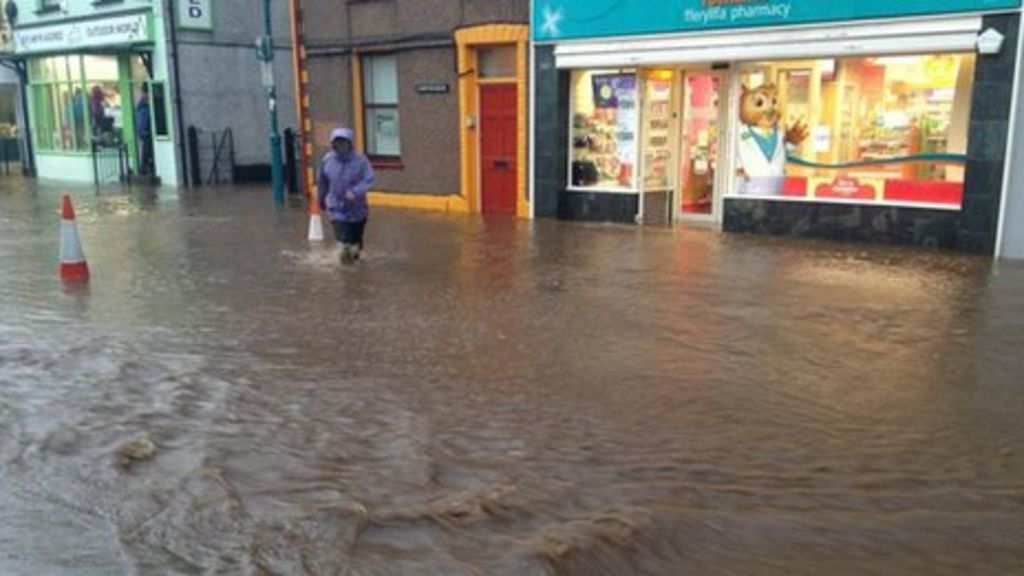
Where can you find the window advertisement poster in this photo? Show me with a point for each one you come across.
(608, 88)
(624, 96)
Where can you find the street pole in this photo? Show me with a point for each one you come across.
(265, 53)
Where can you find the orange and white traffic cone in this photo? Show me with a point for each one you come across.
(316, 225)
(73, 267)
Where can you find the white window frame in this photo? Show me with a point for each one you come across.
(365, 63)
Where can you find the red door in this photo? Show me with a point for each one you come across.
(498, 157)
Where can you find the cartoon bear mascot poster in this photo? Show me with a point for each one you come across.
(764, 142)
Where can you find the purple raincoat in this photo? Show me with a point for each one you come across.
(338, 175)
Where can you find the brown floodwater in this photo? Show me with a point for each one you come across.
(497, 397)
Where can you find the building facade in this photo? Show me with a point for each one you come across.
(435, 90)
(865, 120)
(93, 66)
(89, 66)
(221, 80)
(1010, 241)
(11, 122)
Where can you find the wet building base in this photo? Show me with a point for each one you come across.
(864, 223)
(598, 207)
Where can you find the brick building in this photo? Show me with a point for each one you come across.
(435, 90)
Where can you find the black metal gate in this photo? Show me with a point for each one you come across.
(211, 156)
(110, 162)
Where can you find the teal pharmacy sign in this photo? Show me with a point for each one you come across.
(569, 19)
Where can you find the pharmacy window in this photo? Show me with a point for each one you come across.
(380, 106)
(872, 130)
(605, 123)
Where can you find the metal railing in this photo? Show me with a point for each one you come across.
(110, 162)
(10, 151)
(211, 156)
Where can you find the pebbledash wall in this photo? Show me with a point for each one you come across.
(957, 205)
(221, 78)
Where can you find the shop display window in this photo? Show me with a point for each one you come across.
(883, 129)
(605, 122)
(75, 99)
(61, 103)
(658, 145)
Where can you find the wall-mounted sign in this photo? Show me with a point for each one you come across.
(434, 88)
(564, 19)
(132, 29)
(195, 14)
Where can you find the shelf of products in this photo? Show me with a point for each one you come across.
(604, 140)
(658, 155)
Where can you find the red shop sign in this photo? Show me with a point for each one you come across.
(845, 188)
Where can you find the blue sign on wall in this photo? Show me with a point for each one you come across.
(566, 19)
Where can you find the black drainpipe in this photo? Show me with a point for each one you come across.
(28, 164)
(178, 110)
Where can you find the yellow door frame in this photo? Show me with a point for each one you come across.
(467, 42)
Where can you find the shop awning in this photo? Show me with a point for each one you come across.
(955, 34)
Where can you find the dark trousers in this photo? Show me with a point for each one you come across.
(146, 155)
(350, 232)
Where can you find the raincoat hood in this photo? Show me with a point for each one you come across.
(341, 133)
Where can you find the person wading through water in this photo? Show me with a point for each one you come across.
(345, 180)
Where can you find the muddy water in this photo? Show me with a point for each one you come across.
(498, 397)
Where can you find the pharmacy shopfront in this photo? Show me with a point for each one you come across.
(868, 119)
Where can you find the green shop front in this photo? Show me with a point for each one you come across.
(853, 119)
(88, 82)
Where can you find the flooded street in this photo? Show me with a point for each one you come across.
(498, 397)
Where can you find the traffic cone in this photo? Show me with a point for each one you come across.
(73, 267)
(316, 225)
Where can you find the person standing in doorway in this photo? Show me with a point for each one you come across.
(97, 109)
(144, 132)
(76, 119)
(345, 180)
